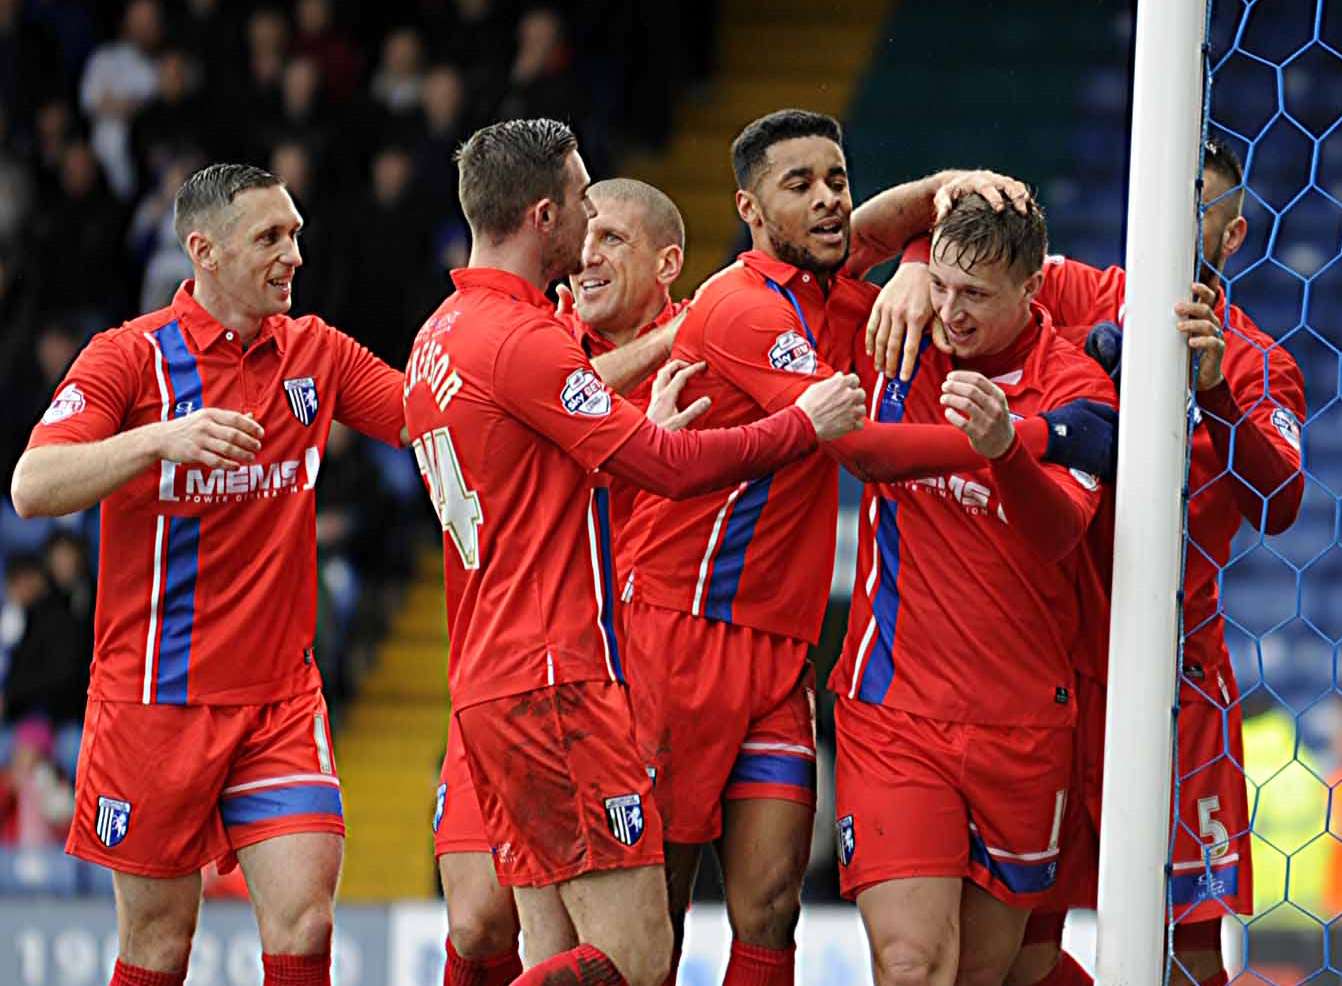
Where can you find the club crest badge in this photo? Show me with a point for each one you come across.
(113, 821)
(584, 394)
(847, 839)
(624, 815)
(438, 806)
(792, 353)
(302, 394)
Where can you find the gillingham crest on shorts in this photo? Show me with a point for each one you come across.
(791, 352)
(438, 806)
(847, 839)
(584, 394)
(302, 394)
(113, 821)
(624, 815)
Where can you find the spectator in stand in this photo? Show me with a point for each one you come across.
(541, 83)
(316, 289)
(82, 230)
(48, 671)
(318, 37)
(39, 367)
(303, 114)
(400, 74)
(67, 559)
(36, 802)
(30, 62)
(443, 105)
(174, 122)
(479, 36)
(260, 102)
(16, 187)
(119, 79)
(387, 260)
(55, 128)
(211, 30)
(153, 239)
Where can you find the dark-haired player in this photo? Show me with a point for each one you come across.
(727, 590)
(511, 425)
(201, 429)
(955, 695)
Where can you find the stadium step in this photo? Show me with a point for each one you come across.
(801, 54)
(390, 748)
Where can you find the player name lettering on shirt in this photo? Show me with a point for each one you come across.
(975, 498)
(257, 481)
(431, 365)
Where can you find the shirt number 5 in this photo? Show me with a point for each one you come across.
(457, 507)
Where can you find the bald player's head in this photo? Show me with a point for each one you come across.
(661, 219)
(635, 249)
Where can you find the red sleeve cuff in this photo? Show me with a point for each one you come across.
(918, 250)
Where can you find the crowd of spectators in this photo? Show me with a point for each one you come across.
(105, 108)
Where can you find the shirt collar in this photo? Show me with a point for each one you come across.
(772, 268)
(1026, 373)
(503, 281)
(205, 330)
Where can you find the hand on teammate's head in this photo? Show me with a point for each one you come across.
(998, 190)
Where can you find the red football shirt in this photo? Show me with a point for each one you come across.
(760, 554)
(207, 578)
(955, 616)
(622, 494)
(509, 423)
(1266, 384)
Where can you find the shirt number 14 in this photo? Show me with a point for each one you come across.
(457, 507)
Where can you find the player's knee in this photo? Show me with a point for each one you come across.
(645, 960)
(305, 930)
(765, 910)
(479, 933)
(903, 962)
(160, 941)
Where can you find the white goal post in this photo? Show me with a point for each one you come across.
(1148, 538)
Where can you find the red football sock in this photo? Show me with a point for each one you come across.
(670, 979)
(1220, 979)
(124, 974)
(755, 965)
(497, 970)
(1066, 973)
(297, 970)
(585, 965)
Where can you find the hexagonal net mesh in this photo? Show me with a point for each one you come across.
(1255, 837)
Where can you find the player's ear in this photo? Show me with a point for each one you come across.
(543, 215)
(1032, 285)
(748, 207)
(670, 262)
(1232, 238)
(200, 249)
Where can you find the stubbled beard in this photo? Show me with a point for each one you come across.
(804, 259)
(557, 261)
(1211, 264)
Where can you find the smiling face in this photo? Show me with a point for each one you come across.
(800, 205)
(983, 308)
(625, 272)
(253, 246)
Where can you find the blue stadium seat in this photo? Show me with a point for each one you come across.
(47, 871)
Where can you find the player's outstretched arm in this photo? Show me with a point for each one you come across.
(683, 464)
(51, 480)
(888, 220)
(625, 368)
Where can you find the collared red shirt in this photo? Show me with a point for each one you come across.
(510, 424)
(760, 554)
(207, 580)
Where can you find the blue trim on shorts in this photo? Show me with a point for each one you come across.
(773, 768)
(277, 802)
(1018, 876)
(1208, 883)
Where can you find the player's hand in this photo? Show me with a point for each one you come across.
(1202, 329)
(565, 303)
(212, 436)
(1083, 434)
(898, 319)
(998, 190)
(663, 409)
(1104, 344)
(977, 406)
(836, 406)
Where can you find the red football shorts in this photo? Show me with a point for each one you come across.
(1211, 873)
(561, 786)
(161, 790)
(458, 825)
(724, 712)
(918, 797)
